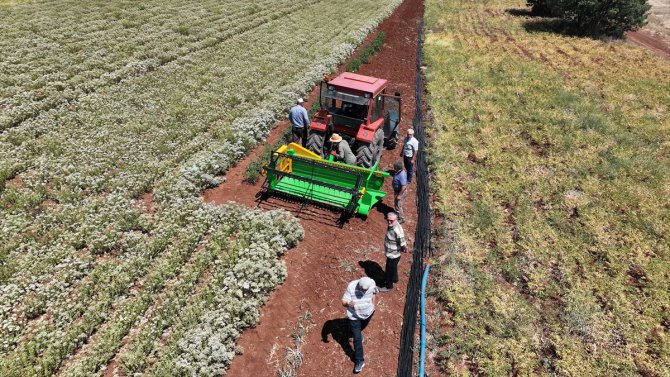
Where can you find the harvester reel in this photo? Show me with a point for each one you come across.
(368, 154)
(315, 142)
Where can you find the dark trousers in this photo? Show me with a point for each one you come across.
(357, 326)
(391, 271)
(298, 135)
(409, 166)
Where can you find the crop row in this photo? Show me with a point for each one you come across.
(46, 65)
(115, 309)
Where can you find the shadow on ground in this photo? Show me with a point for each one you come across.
(383, 208)
(374, 271)
(340, 331)
(520, 12)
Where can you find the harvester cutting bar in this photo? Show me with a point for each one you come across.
(298, 172)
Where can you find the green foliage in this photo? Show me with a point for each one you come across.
(602, 17)
(595, 17)
(540, 7)
(253, 171)
(364, 56)
(314, 108)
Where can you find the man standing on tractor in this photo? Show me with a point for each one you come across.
(342, 150)
(359, 299)
(299, 122)
(410, 149)
(399, 184)
(394, 245)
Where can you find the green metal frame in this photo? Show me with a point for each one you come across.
(306, 176)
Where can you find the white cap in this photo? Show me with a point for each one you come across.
(300, 100)
(365, 283)
(410, 131)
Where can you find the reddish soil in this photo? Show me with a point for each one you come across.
(320, 267)
(652, 41)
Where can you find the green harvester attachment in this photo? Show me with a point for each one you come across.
(297, 172)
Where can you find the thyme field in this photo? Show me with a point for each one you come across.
(551, 162)
(114, 117)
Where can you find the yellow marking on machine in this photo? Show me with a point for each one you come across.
(303, 152)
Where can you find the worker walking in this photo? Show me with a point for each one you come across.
(342, 150)
(394, 245)
(410, 149)
(299, 122)
(399, 184)
(359, 299)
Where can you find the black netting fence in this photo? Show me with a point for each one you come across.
(423, 230)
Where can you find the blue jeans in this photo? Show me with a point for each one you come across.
(357, 326)
(409, 166)
(391, 271)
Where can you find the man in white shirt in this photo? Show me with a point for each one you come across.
(359, 299)
(410, 150)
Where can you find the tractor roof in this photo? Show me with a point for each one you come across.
(359, 82)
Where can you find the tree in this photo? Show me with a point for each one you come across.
(540, 7)
(601, 17)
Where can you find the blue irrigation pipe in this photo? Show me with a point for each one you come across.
(422, 363)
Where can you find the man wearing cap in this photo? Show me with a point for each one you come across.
(410, 149)
(359, 299)
(399, 184)
(342, 150)
(394, 245)
(299, 122)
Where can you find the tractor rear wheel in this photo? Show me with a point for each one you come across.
(368, 154)
(315, 142)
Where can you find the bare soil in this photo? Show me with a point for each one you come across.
(320, 267)
(653, 41)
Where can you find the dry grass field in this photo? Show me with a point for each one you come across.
(551, 161)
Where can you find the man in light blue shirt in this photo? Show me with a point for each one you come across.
(299, 122)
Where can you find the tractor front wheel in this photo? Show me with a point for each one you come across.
(315, 142)
(367, 154)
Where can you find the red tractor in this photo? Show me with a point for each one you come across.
(358, 108)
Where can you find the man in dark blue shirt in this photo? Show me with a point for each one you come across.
(399, 184)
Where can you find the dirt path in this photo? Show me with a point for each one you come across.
(329, 257)
(655, 42)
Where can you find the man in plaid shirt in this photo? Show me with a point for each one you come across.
(394, 245)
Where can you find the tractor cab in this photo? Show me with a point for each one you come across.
(357, 108)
